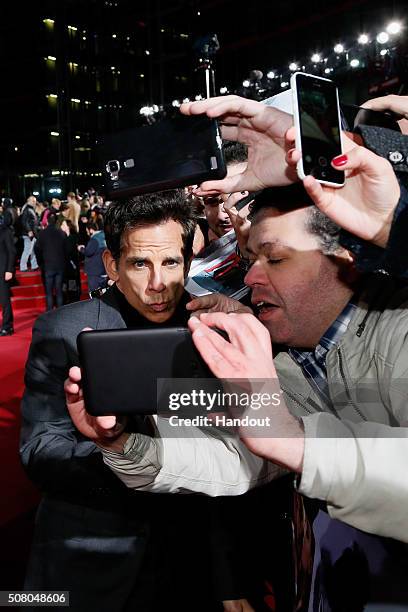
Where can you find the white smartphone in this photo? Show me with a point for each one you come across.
(316, 113)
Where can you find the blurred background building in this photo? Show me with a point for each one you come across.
(74, 69)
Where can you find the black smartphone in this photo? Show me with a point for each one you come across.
(177, 152)
(246, 200)
(318, 129)
(353, 116)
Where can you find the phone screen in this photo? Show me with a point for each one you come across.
(319, 127)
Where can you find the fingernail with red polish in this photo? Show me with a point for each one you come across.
(341, 160)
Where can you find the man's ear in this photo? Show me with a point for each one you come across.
(110, 265)
(349, 271)
(345, 255)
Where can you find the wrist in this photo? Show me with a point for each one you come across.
(381, 239)
(290, 450)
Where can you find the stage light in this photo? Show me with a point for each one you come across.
(199, 97)
(76, 100)
(223, 90)
(147, 52)
(185, 100)
(284, 84)
(49, 22)
(246, 83)
(316, 58)
(355, 63)
(293, 67)
(54, 133)
(338, 48)
(394, 27)
(77, 137)
(114, 35)
(53, 96)
(328, 70)
(383, 38)
(383, 52)
(51, 58)
(176, 103)
(72, 28)
(363, 39)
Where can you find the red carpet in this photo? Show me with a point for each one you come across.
(20, 493)
(19, 497)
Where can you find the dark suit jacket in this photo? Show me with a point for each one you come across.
(51, 249)
(110, 546)
(7, 258)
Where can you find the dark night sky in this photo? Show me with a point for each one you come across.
(254, 35)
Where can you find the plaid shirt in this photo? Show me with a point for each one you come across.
(313, 363)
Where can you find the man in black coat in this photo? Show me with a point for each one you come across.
(51, 252)
(113, 548)
(7, 259)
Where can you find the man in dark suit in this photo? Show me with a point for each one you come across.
(112, 548)
(7, 258)
(51, 252)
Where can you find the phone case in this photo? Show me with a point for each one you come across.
(122, 369)
(296, 118)
(185, 150)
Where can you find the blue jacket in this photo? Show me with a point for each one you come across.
(93, 264)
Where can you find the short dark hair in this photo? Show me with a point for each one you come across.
(149, 209)
(294, 196)
(93, 225)
(234, 152)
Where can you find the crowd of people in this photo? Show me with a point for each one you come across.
(55, 238)
(304, 513)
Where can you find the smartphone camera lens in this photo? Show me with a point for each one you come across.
(322, 161)
(113, 167)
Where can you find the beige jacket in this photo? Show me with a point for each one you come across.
(356, 452)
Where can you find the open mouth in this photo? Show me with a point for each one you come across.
(262, 307)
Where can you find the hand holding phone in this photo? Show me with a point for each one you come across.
(318, 128)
